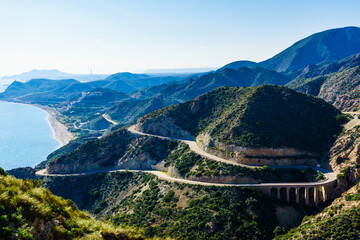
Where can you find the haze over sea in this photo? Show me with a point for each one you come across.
(26, 137)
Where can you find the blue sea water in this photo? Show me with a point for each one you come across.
(26, 137)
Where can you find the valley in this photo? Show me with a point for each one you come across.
(252, 150)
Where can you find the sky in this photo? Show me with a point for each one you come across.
(110, 36)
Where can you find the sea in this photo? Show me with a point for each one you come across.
(26, 137)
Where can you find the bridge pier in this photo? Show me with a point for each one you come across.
(307, 197)
(297, 195)
(288, 194)
(316, 197)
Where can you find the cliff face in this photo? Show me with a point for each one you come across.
(144, 153)
(164, 126)
(255, 156)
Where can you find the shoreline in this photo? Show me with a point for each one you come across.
(60, 131)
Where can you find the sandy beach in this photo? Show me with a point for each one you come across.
(61, 132)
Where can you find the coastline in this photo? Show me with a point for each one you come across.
(61, 132)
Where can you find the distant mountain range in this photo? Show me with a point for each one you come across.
(37, 89)
(55, 74)
(140, 94)
(174, 93)
(175, 71)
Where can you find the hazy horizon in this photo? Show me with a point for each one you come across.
(119, 36)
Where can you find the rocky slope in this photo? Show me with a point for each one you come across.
(345, 159)
(119, 149)
(340, 88)
(253, 125)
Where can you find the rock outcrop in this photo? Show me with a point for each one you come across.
(119, 150)
(345, 159)
(163, 126)
(255, 156)
(93, 155)
(143, 153)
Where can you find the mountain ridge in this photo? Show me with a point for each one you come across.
(174, 93)
(327, 45)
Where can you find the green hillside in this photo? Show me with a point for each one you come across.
(263, 116)
(28, 211)
(174, 210)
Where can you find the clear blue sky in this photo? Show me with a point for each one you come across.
(114, 35)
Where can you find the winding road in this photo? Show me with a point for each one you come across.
(330, 176)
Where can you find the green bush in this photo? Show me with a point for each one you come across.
(340, 176)
(342, 118)
(25, 205)
(2, 172)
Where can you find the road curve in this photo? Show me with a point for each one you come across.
(164, 176)
(330, 176)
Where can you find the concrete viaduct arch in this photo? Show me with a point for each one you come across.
(304, 194)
